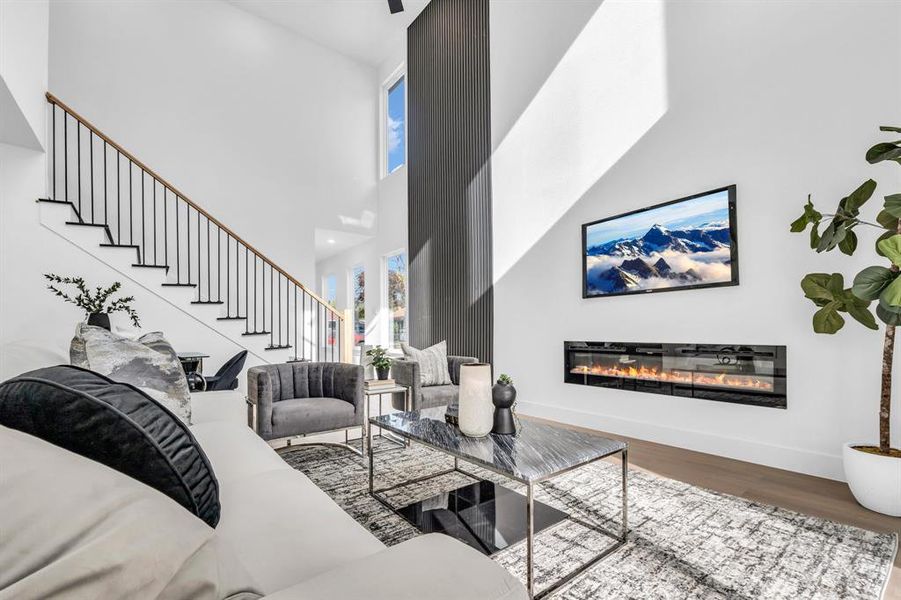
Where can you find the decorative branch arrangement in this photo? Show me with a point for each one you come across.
(93, 302)
(877, 283)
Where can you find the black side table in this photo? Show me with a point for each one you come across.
(192, 363)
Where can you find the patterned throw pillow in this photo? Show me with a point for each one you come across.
(432, 363)
(149, 363)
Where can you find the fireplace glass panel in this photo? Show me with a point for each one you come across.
(744, 374)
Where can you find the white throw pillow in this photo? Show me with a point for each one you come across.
(74, 528)
(149, 363)
(432, 363)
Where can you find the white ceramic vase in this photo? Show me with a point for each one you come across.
(476, 410)
(874, 480)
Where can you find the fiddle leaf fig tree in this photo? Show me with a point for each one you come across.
(878, 283)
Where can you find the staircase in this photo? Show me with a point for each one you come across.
(144, 223)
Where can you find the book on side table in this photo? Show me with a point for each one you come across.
(374, 384)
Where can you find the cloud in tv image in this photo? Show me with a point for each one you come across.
(685, 243)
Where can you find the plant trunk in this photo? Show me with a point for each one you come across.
(885, 403)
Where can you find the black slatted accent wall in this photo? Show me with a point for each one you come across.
(449, 180)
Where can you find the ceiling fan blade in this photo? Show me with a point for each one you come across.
(395, 6)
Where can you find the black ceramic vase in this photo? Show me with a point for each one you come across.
(382, 373)
(503, 395)
(99, 320)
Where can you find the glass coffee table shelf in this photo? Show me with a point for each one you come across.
(488, 516)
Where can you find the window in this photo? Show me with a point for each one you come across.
(395, 122)
(358, 301)
(396, 285)
(330, 290)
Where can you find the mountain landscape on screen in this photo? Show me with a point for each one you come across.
(686, 243)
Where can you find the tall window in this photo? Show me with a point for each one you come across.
(358, 301)
(330, 290)
(396, 271)
(395, 102)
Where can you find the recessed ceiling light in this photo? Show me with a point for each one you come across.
(330, 241)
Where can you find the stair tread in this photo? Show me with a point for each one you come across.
(150, 266)
(179, 284)
(207, 302)
(257, 333)
(278, 347)
(231, 318)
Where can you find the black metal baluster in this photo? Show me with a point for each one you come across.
(246, 294)
(318, 330)
(228, 253)
(199, 272)
(271, 310)
(143, 222)
(118, 198)
(208, 271)
(153, 181)
(66, 157)
(91, 169)
(165, 226)
(177, 244)
(296, 341)
(105, 208)
(218, 263)
(279, 309)
(131, 210)
(54, 148)
(255, 293)
(188, 243)
(303, 325)
(78, 162)
(263, 289)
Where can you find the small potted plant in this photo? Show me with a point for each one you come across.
(97, 303)
(873, 470)
(503, 394)
(380, 361)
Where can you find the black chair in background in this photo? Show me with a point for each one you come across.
(226, 378)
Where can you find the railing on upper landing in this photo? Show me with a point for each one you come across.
(109, 187)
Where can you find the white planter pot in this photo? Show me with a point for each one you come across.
(874, 480)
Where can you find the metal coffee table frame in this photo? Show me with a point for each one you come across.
(620, 538)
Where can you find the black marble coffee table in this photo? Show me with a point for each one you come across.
(490, 517)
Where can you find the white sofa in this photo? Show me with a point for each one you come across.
(73, 528)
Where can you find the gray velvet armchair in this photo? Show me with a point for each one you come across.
(406, 372)
(302, 398)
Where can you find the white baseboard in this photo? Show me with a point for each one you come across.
(780, 457)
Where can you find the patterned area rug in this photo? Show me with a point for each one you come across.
(685, 542)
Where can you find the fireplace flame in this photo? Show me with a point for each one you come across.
(675, 376)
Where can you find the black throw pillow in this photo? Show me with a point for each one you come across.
(115, 424)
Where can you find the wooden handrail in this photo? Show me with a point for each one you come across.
(68, 109)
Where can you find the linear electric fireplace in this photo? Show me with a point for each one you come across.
(742, 374)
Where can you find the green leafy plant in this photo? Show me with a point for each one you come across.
(878, 283)
(379, 357)
(96, 301)
(505, 379)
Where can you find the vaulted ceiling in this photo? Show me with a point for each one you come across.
(360, 29)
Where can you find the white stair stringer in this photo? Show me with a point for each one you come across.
(54, 215)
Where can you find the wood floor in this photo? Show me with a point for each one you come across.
(802, 493)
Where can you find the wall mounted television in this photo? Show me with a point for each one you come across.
(684, 244)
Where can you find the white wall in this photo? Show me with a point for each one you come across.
(35, 326)
(634, 104)
(24, 27)
(388, 235)
(268, 131)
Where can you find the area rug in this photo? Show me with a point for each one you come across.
(685, 541)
